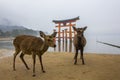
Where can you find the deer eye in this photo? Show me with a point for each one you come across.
(49, 40)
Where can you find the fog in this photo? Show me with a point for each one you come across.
(101, 16)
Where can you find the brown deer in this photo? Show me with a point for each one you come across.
(32, 45)
(79, 42)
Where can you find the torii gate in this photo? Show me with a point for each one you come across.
(65, 23)
(62, 24)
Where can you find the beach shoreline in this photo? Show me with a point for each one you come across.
(10, 52)
(5, 53)
(6, 39)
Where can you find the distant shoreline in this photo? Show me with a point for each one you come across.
(7, 39)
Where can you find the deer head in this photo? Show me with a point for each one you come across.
(49, 39)
(80, 31)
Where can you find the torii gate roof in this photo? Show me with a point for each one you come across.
(66, 21)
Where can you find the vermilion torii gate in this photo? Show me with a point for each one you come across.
(65, 23)
(62, 26)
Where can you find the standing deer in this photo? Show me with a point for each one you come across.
(32, 45)
(79, 42)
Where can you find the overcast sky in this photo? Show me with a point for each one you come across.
(101, 16)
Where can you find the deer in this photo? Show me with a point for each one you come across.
(79, 42)
(32, 45)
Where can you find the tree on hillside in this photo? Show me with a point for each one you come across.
(1, 32)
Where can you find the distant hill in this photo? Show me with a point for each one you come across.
(12, 31)
(5, 28)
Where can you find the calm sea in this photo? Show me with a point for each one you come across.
(91, 47)
(95, 47)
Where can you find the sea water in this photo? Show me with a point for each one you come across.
(92, 45)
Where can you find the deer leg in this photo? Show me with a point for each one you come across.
(15, 54)
(40, 58)
(22, 58)
(76, 54)
(82, 56)
(34, 61)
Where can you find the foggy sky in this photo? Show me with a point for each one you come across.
(101, 16)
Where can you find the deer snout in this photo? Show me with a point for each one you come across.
(54, 46)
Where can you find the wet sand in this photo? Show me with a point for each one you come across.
(59, 66)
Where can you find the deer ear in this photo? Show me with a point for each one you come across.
(85, 28)
(74, 28)
(42, 34)
(54, 34)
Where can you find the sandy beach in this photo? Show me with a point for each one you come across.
(59, 66)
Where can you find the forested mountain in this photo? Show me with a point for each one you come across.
(12, 31)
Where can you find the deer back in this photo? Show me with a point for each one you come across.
(18, 40)
(32, 44)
